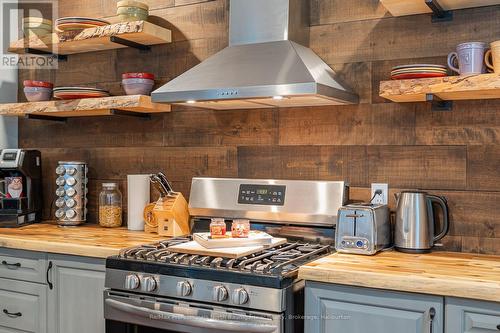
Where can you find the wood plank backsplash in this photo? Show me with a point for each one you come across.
(456, 154)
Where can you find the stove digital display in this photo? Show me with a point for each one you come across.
(272, 195)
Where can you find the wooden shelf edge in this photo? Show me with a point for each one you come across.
(413, 7)
(95, 39)
(472, 87)
(84, 107)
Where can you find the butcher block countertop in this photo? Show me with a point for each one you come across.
(86, 240)
(440, 273)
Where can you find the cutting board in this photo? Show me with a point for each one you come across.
(194, 247)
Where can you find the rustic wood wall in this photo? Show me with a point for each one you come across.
(456, 154)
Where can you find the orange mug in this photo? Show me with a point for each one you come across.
(492, 57)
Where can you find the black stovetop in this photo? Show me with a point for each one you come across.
(273, 267)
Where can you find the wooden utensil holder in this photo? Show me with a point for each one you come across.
(169, 216)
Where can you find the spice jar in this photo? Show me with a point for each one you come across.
(217, 228)
(110, 206)
(240, 229)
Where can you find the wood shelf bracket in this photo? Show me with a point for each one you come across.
(437, 104)
(44, 117)
(129, 43)
(439, 14)
(59, 57)
(126, 113)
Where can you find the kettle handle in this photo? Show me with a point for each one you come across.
(444, 206)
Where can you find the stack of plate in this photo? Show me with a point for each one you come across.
(78, 23)
(79, 92)
(417, 71)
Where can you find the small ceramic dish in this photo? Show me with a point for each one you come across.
(138, 86)
(37, 94)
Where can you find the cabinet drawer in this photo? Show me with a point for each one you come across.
(468, 316)
(23, 265)
(23, 306)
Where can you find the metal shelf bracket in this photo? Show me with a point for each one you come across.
(44, 117)
(129, 43)
(439, 14)
(118, 112)
(437, 104)
(59, 57)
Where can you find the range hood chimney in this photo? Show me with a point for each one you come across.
(264, 66)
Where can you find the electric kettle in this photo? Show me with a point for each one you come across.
(415, 223)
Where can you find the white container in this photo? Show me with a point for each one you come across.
(138, 187)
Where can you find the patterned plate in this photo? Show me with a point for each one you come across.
(417, 76)
(417, 65)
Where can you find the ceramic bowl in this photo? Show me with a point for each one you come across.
(132, 3)
(37, 94)
(138, 75)
(132, 14)
(34, 83)
(138, 86)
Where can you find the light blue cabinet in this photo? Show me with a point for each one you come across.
(23, 307)
(75, 302)
(333, 308)
(469, 316)
(42, 292)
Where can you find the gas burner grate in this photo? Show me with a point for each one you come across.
(278, 260)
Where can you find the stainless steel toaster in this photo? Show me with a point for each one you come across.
(363, 229)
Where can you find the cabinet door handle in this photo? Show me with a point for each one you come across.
(10, 265)
(49, 267)
(432, 315)
(11, 314)
(498, 327)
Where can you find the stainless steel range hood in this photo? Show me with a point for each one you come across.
(264, 65)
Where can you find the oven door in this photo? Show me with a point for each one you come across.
(126, 312)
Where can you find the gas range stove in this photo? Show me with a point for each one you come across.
(259, 292)
(274, 267)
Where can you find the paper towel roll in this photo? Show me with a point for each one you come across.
(138, 187)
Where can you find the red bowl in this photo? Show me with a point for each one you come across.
(138, 76)
(42, 84)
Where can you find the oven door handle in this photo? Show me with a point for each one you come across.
(193, 321)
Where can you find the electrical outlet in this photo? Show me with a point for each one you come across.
(383, 198)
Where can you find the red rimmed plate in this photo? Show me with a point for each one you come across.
(417, 76)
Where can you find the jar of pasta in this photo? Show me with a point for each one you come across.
(110, 206)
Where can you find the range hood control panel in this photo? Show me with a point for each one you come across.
(273, 195)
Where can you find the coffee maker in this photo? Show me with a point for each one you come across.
(20, 187)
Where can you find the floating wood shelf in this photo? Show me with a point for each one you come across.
(484, 86)
(115, 105)
(412, 7)
(139, 34)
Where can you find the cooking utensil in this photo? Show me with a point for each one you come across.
(415, 221)
(166, 182)
(158, 184)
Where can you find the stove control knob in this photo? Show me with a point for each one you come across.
(132, 282)
(240, 296)
(220, 293)
(149, 283)
(183, 288)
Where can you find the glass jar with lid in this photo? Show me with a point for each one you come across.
(110, 206)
